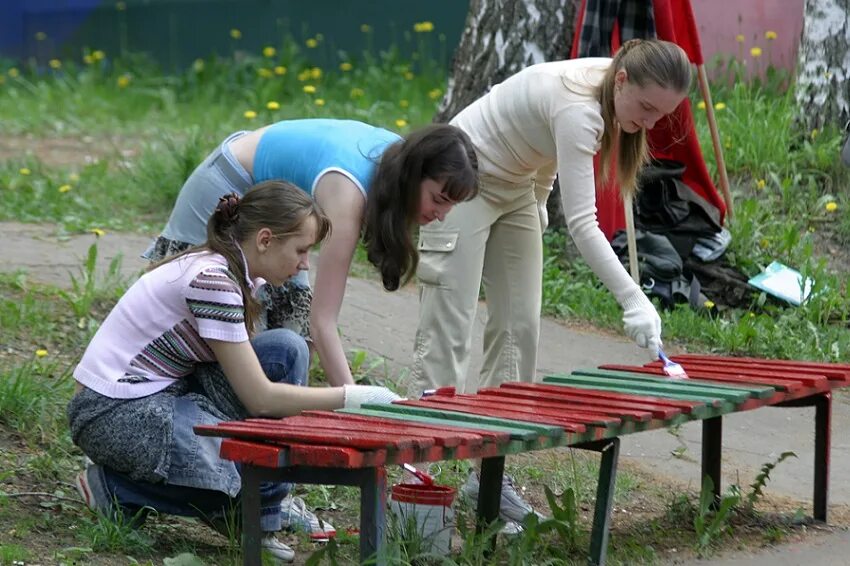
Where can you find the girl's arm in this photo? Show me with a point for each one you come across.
(343, 203)
(264, 398)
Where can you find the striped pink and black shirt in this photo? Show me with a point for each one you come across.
(157, 332)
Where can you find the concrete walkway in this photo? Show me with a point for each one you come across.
(384, 324)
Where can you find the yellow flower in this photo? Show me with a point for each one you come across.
(249, 114)
(764, 243)
(708, 304)
(755, 52)
(404, 103)
(40, 353)
(55, 64)
(319, 102)
(423, 27)
(311, 43)
(345, 67)
(357, 92)
(365, 28)
(123, 81)
(40, 36)
(73, 177)
(64, 188)
(24, 171)
(434, 94)
(97, 55)
(88, 59)
(13, 72)
(315, 73)
(198, 65)
(408, 75)
(701, 104)
(97, 232)
(280, 70)
(120, 6)
(235, 34)
(273, 105)
(770, 35)
(740, 38)
(269, 51)
(831, 206)
(760, 184)
(752, 315)
(815, 133)
(304, 75)
(265, 73)
(400, 123)
(720, 106)
(309, 89)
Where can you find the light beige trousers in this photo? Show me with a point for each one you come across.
(494, 239)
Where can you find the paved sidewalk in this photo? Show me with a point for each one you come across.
(384, 325)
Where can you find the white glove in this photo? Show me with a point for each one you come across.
(641, 322)
(543, 213)
(356, 395)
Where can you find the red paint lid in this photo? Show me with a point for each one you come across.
(423, 494)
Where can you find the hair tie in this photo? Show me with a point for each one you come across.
(630, 44)
(228, 207)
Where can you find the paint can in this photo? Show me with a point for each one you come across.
(427, 510)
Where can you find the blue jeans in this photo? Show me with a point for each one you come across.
(284, 357)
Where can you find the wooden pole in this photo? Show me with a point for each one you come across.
(631, 239)
(715, 138)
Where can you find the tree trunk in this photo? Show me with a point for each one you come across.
(501, 37)
(823, 85)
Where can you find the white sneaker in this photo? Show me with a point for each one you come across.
(276, 549)
(512, 507)
(296, 517)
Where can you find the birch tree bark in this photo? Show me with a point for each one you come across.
(823, 88)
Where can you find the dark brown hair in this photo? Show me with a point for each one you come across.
(645, 61)
(277, 205)
(439, 152)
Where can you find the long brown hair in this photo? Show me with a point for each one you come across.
(645, 61)
(277, 205)
(439, 152)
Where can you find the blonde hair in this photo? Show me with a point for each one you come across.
(645, 61)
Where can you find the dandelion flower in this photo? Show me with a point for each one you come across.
(269, 51)
(24, 171)
(311, 43)
(831, 206)
(273, 105)
(423, 27)
(720, 106)
(365, 28)
(73, 177)
(770, 35)
(760, 184)
(123, 81)
(764, 243)
(755, 52)
(434, 94)
(815, 133)
(97, 232)
(752, 315)
(309, 89)
(13, 72)
(265, 73)
(404, 103)
(249, 114)
(198, 65)
(740, 38)
(40, 353)
(315, 73)
(408, 75)
(235, 34)
(98, 55)
(319, 102)
(64, 188)
(280, 70)
(55, 64)
(708, 304)
(88, 59)
(345, 67)
(400, 123)
(40, 36)
(701, 104)
(357, 92)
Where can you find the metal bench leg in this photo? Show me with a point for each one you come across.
(712, 445)
(823, 418)
(373, 520)
(604, 500)
(490, 494)
(250, 501)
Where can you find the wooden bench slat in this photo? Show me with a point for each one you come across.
(746, 373)
(564, 420)
(581, 410)
(832, 371)
(750, 390)
(779, 384)
(628, 411)
(637, 389)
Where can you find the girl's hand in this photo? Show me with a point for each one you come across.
(357, 395)
(641, 321)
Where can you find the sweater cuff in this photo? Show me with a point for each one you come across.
(635, 300)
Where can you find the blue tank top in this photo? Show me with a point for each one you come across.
(301, 151)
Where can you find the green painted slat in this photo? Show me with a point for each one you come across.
(757, 391)
(537, 428)
(726, 406)
(662, 388)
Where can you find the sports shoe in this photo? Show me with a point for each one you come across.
(90, 487)
(276, 549)
(296, 517)
(512, 507)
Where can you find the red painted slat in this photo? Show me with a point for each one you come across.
(251, 452)
(574, 413)
(452, 404)
(629, 411)
(446, 438)
(580, 393)
(807, 379)
(833, 371)
(695, 372)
